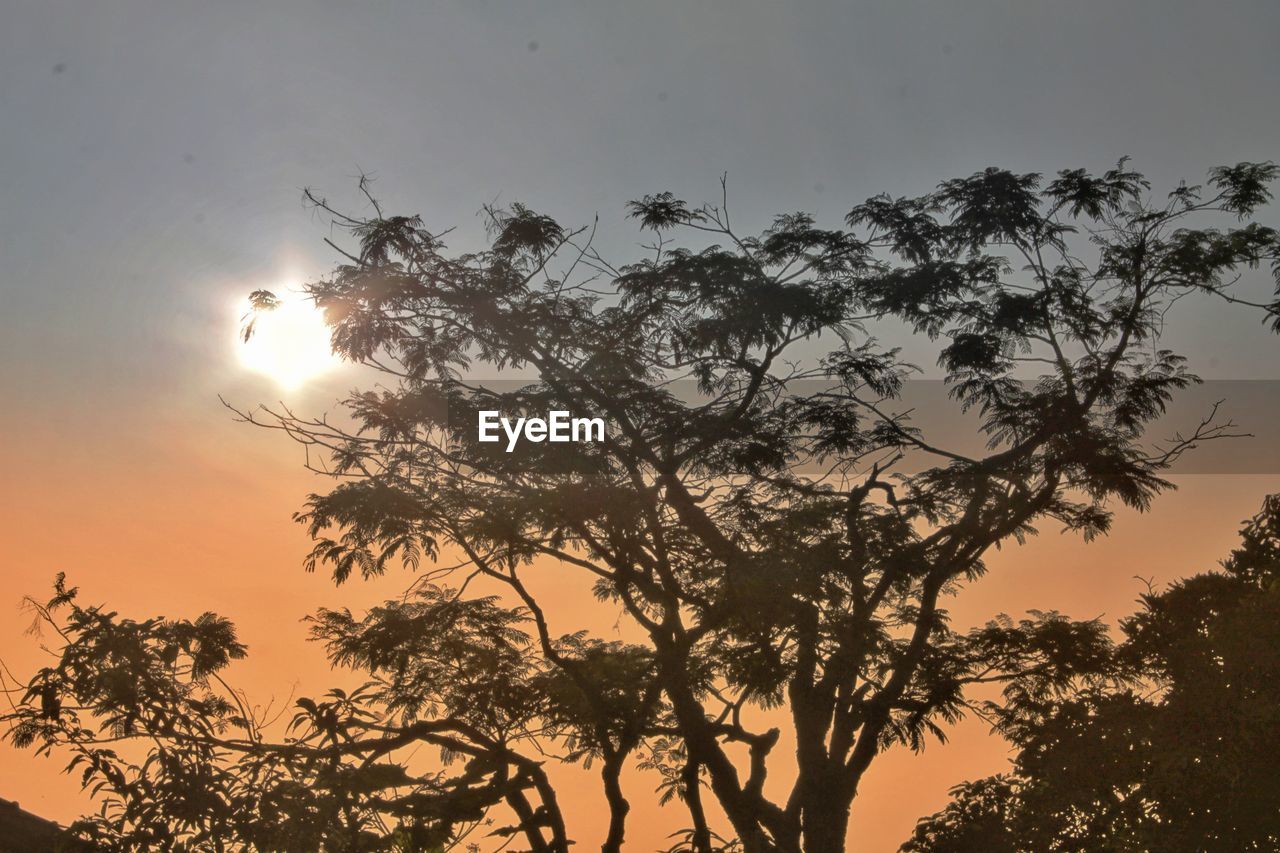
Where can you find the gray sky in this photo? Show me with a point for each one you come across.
(152, 154)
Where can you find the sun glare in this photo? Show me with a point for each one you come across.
(290, 344)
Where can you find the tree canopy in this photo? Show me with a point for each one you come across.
(1170, 744)
(781, 544)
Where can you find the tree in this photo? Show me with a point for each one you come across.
(1173, 745)
(776, 543)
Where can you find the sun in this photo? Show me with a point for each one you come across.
(290, 343)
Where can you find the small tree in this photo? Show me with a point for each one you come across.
(1169, 745)
(778, 544)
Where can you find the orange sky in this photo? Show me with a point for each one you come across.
(177, 513)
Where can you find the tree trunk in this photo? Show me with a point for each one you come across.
(826, 821)
(618, 805)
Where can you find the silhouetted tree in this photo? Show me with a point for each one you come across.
(778, 544)
(1172, 744)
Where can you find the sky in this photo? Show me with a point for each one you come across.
(153, 156)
